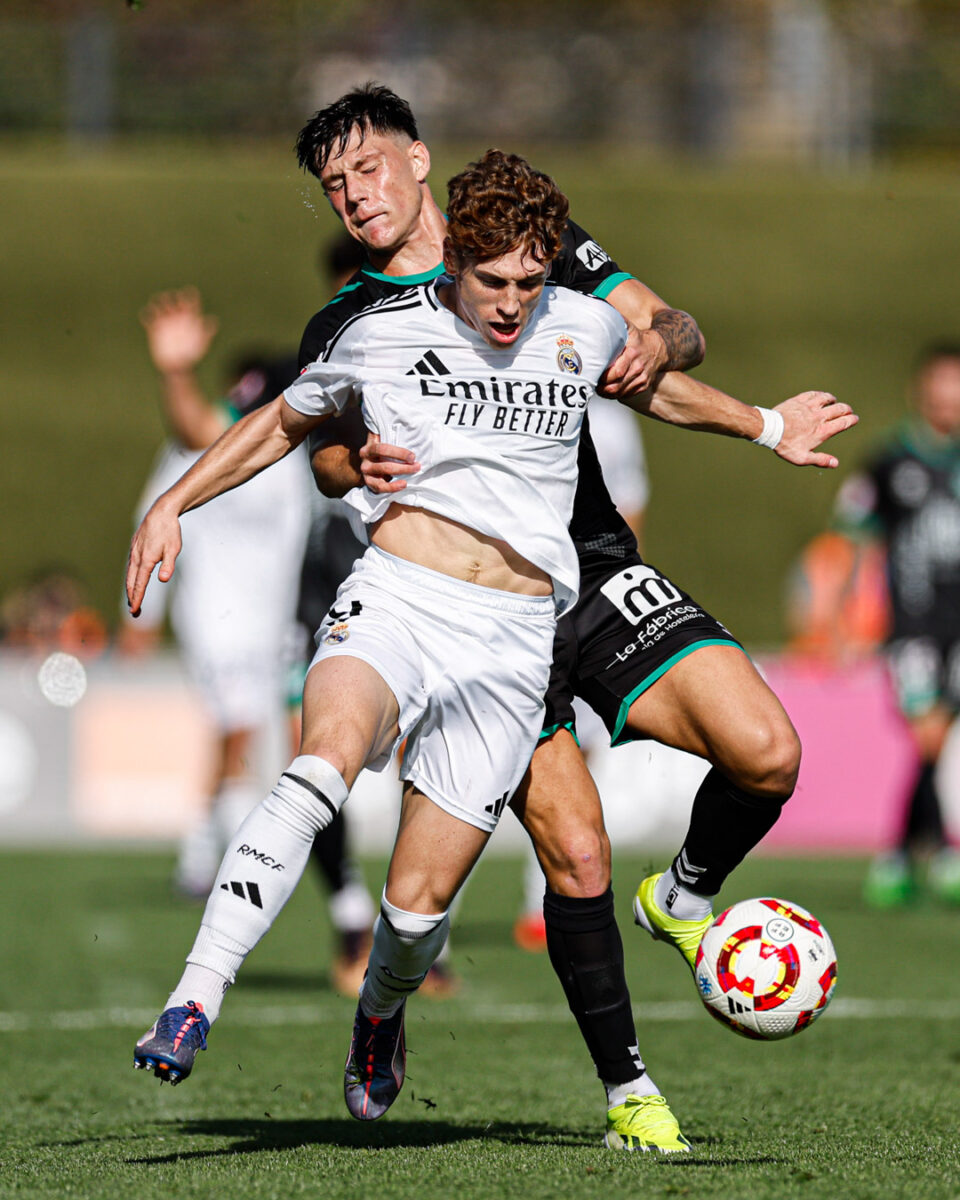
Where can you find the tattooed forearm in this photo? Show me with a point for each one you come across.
(682, 337)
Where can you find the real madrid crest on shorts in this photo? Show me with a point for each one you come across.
(567, 357)
(339, 630)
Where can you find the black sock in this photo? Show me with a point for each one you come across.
(924, 822)
(587, 954)
(329, 854)
(725, 825)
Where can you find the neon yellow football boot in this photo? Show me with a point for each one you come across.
(684, 935)
(644, 1123)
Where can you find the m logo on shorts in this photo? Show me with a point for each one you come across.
(639, 591)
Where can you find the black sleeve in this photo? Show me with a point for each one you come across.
(320, 329)
(585, 266)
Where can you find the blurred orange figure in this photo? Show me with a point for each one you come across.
(838, 608)
(51, 613)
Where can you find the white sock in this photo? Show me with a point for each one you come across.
(351, 909)
(405, 946)
(643, 1085)
(671, 897)
(263, 863)
(203, 987)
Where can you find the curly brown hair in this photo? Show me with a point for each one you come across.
(501, 204)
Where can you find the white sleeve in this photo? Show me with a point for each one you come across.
(616, 435)
(616, 328)
(323, 389)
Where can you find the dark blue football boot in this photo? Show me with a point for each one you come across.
(169, 1048)
(373, 1075)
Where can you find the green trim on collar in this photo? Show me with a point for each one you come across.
(423, 277)
(347, 287)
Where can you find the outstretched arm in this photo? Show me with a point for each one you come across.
(179, 334)
(809, 419)
(244, 450)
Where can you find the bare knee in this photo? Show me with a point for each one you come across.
(575, 859)
(767, 758)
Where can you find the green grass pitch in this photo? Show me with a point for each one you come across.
(500, 1100)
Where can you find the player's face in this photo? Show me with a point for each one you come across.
(497, 296)
(376, 188)
(938, 395)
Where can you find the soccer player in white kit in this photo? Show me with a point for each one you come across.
(442, 636)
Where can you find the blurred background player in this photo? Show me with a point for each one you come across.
(908, 498)
(232, 607)
(619, 444)
(330, 553)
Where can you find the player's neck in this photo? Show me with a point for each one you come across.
(422, 251)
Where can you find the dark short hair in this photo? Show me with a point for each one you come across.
(371, 108)
(934, 352)
(501, 204)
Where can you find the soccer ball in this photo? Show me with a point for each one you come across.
(766, 968)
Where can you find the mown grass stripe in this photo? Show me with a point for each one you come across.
(846, 1008)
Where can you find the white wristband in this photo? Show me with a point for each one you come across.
(772, 428)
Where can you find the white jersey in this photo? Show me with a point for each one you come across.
(494, 429)
(616, 435)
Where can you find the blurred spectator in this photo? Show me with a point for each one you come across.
(908, 499)
(49, 613)
(837, 602)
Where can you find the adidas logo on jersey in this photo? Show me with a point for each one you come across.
(430, 364)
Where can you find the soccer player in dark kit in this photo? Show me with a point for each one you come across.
(908, 497)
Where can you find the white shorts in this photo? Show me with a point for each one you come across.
(468, 666)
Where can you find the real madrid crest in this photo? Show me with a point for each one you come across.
(567, 357)
(338, 633)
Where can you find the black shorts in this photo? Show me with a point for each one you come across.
(629, 627)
